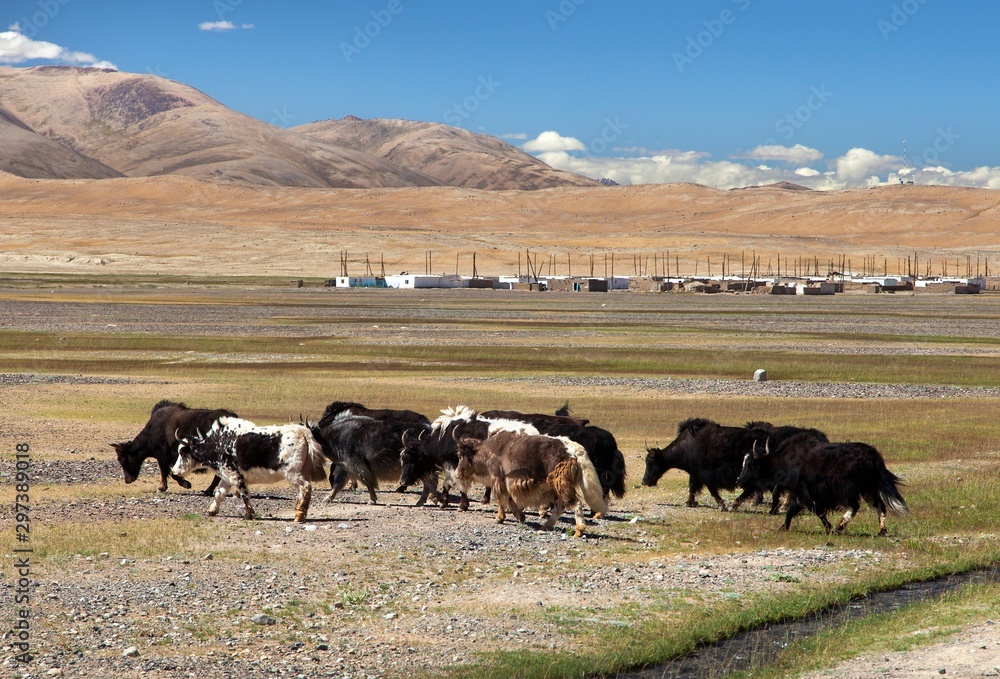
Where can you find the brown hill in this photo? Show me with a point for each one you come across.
(28, 154)
(179, 225)
(143, 125)
(451, 155)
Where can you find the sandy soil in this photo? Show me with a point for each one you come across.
(182, 226)
(974, 653)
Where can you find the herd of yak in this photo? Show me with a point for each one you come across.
(550, 462)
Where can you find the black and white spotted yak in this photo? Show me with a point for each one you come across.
(821, 477)
(241, 453)
(158, 439)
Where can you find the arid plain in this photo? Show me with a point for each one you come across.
(176, 225)
(90, 343)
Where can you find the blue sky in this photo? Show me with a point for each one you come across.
(723, 92)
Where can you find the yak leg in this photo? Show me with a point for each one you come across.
(221, 491)
(691, 502)
(793, 510)
(775, 501)
(165, 466)
(211, 487)
(244, 492)
(557, 510)
(338, 479)
(882, 530)
(501, 503)
(826, 522)
(742, 498)
(718, 500)
(578, 515)
(429, 487)
(848, 515)
(305, 496)
(486, 496)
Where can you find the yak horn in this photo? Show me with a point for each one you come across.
(420, 436)
(177, 434)
(767, 446)
(405, 432)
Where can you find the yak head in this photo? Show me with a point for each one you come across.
(129, 458)
(753, 464)
(187, 448)
(415, 463)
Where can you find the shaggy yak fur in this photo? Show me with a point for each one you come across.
(822, 477)
(533, 471)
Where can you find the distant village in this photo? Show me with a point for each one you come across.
(807, 285)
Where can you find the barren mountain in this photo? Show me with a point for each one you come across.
(143, 125)
(28, 154)
(451, 155)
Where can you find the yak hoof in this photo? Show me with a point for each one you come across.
(162, 489)
(183, 483)
(420, 502)
(883, 533)
(691, 503)
(300, 516)
(212, 512)
(578, 533)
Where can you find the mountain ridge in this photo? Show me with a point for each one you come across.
(94, 123)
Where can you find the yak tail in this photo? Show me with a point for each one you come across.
(588, 487)
(888, 492)
(312, 466)
(617, 476)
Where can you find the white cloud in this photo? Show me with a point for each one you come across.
(222, 26)
(856, 168)
(216, 26)
(859, 165)
(553, 141)
(16, 27)
(794, 155)
(17, 48)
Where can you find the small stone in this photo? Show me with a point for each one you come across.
(389, 616)
(322, 647)
(262, 619)
(207, 557)
(130, 652)
(54, 672)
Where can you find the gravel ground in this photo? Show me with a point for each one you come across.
(375, 591)
(772, 388)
